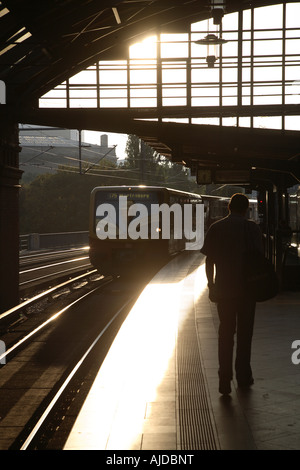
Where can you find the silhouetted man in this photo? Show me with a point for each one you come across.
(224, 247)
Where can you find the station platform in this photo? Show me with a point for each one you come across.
(158, 386)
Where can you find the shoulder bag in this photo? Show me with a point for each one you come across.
(260, 276)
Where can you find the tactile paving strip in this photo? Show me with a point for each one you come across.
(195, 420)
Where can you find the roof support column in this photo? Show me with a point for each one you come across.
(9, 213)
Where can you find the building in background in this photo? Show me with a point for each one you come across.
(48, 149)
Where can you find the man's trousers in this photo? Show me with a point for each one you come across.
(236, 316)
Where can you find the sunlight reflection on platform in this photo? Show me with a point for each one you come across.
(141, 356)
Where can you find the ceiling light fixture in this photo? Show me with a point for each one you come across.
(117, 16)
(212, 42)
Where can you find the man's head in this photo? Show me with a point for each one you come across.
(238, 204)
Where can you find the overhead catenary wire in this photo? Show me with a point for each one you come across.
(122, 177)
(103, 156)
(60, 155)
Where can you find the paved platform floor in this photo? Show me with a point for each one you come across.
(158, 386)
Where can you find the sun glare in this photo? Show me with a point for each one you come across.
(145, 49)
(171, 70)
(140, 358)
(137, 362)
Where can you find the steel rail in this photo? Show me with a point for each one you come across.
(56, 254)
(62, 388)
(26, 303)
(43, 325)
(46, 266)
(55, 274)
(47, 322)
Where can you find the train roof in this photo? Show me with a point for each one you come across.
(222, 198)
(144, 187)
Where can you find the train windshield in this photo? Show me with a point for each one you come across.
(121, 201)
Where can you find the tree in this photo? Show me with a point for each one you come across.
(153, 169)
(133, 152)
(60, 202)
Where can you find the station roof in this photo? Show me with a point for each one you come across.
(45, 42)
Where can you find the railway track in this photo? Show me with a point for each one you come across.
(38, 258)
(38, 270)
(55, 342)
(52, 355)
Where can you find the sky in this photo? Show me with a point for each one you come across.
(120, 140)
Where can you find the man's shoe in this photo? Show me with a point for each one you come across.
(224, 387)
(245, 383)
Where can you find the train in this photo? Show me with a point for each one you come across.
(294, 214)
(129, 234)
(216, 207)
(136, 229)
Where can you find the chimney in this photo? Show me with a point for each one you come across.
(104, 140)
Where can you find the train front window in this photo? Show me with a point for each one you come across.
(121, 207)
